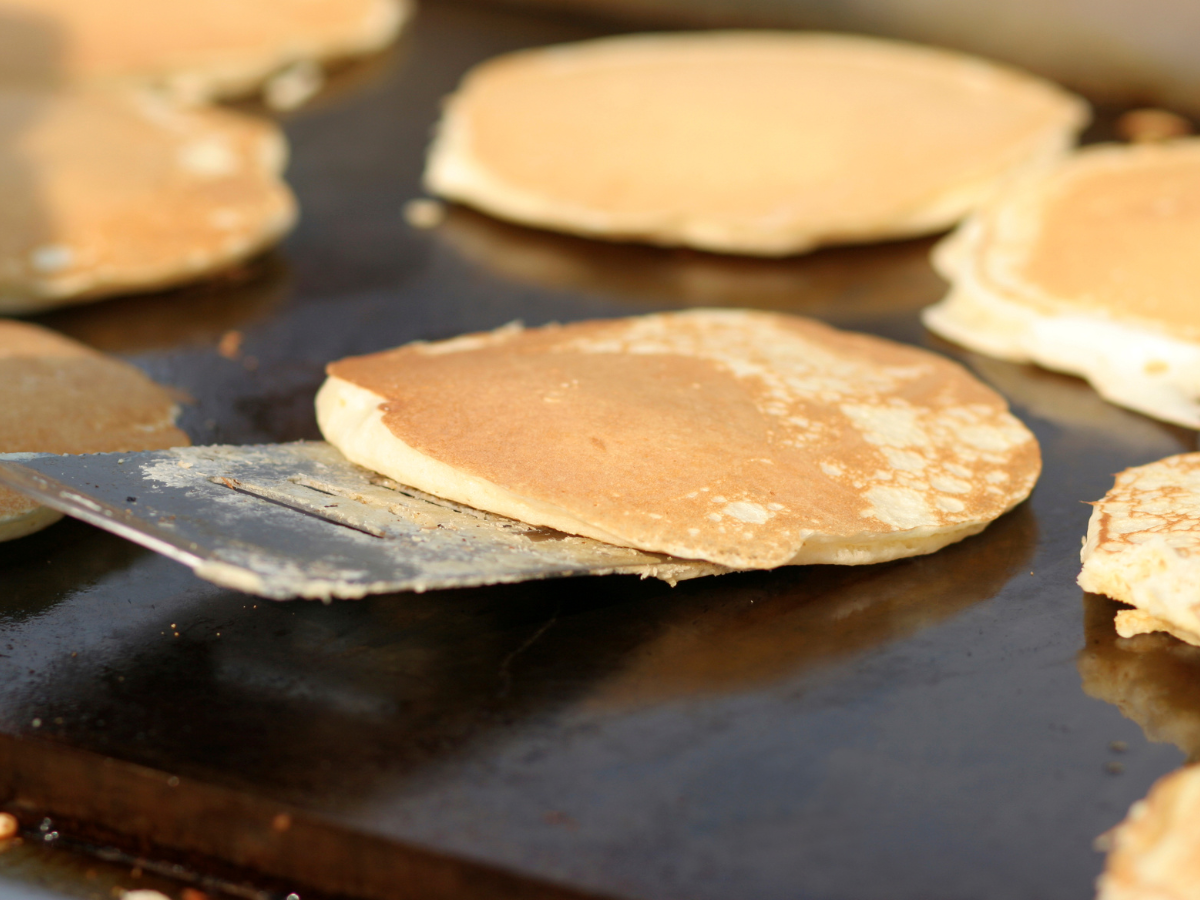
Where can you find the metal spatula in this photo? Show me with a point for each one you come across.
(299, 520)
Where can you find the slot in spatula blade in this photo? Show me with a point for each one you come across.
(299, 520)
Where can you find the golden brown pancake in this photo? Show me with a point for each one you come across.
(196, 51)
(747, 439)
(1155, 852)
(765, 143)
(63, 397)
(1143, 548)
(108, 192)
(1089, 268)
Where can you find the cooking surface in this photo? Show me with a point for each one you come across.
(929, 728)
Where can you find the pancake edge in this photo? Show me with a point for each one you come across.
(1148, 576)
(28, 522)
(1133, 367)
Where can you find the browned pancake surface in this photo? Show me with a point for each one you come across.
(787, 429)
(108, 192)
(1117, 235)
(216, 44)
(764, 142)
(62, 397)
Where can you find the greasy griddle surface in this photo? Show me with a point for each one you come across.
(918, 729)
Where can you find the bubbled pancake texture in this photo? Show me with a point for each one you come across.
(1089, 268)
(109, 192)
(62, 397)
(205, 49)
(1143, 546)
(1153, 854)
(753, 142)
(722, 435)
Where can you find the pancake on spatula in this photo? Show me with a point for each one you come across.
(1143, 548)
(194, 50)
(1089, 268)
(766, 143)
(111, 192)
(63, 397)
(747, 439)
(1154, 854)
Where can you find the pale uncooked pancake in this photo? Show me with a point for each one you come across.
(747, 439)
(195, 50)
(1143, 548)
(63, 397)
(764, 143)
(111, 192)
(1089, 268)
(1155, 852)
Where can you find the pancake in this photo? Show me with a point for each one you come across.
(1089, 268)
(765, 143)
(63, 397)
(1155, 852)
(1143, 548)
(196, 51)
(747, 439)
(110, 192)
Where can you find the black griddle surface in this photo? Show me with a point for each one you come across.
(940, 727)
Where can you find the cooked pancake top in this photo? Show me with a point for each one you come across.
(725, 435)
(751, 126)
(1160, 500)
(1113, 231)
(106, 189)
(62, 397)
(114, 38)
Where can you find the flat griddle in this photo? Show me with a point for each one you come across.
(961, 725)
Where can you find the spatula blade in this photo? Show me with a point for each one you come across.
(299, 520)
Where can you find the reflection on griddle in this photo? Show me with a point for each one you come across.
(847, 281)
(1152, 679)
(32, 586)
(196, 314)
(330, 704)
(809, 617)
